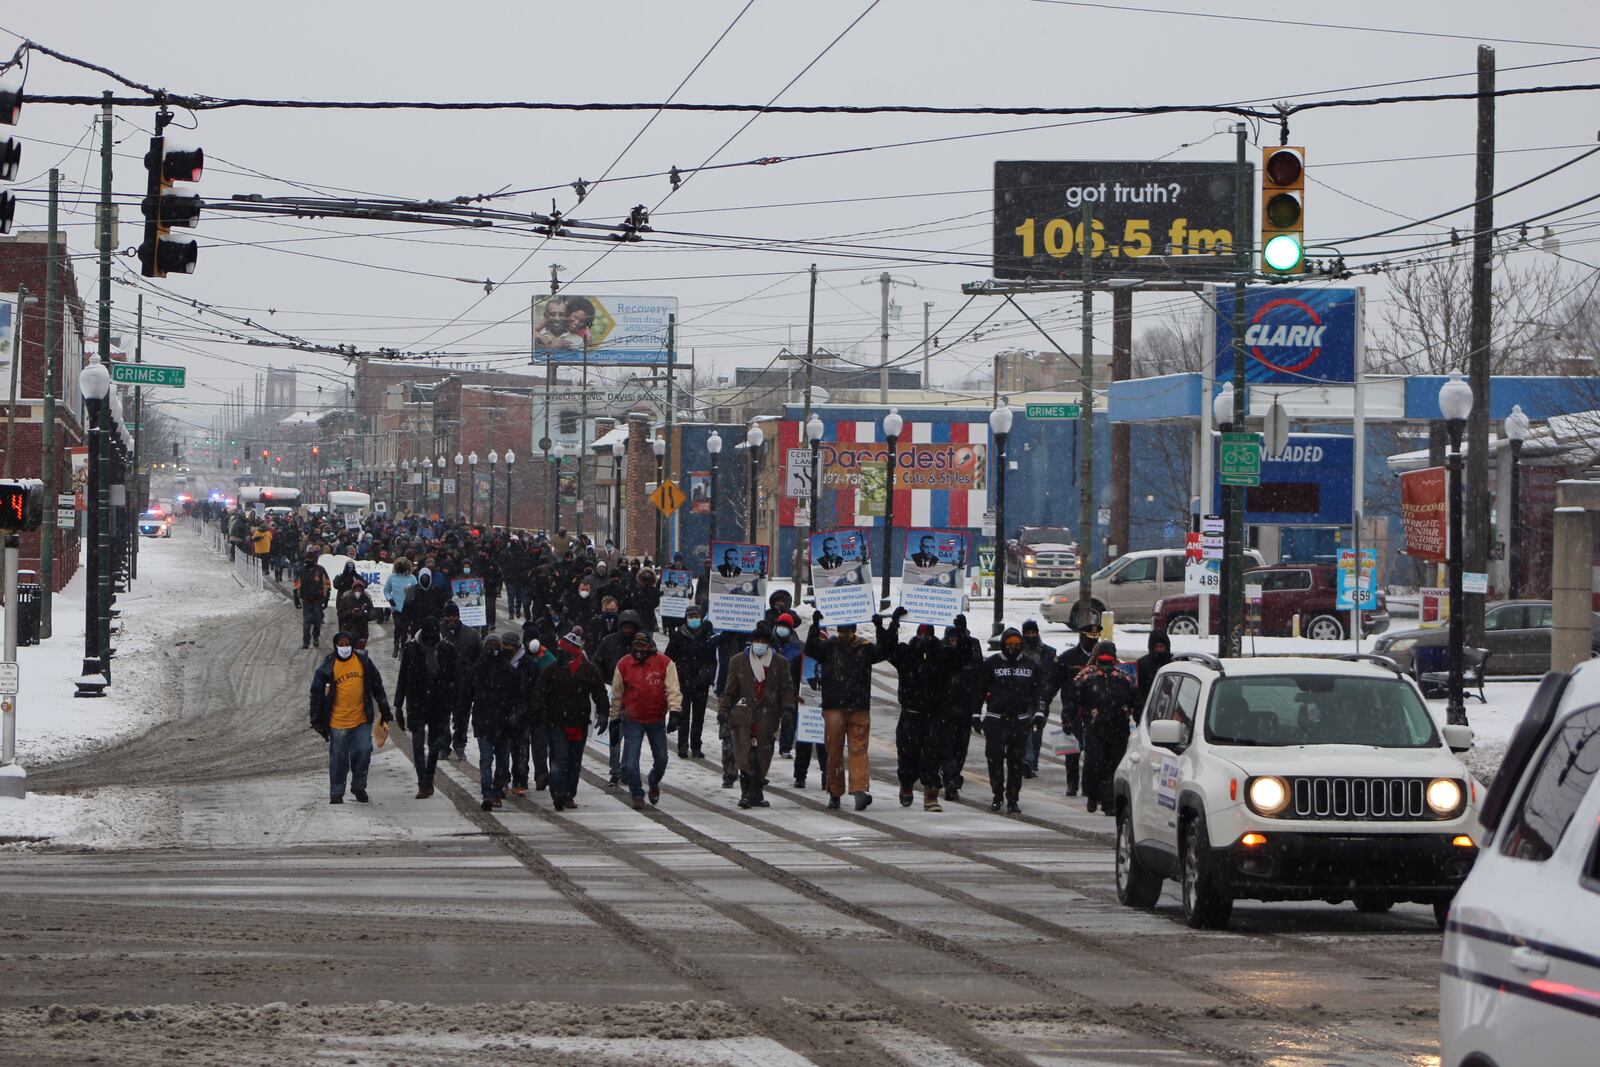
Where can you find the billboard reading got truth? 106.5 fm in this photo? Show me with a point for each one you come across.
(1141, 209)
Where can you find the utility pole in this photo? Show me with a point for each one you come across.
(16, 358)
(1230, 634)
(1480, 330)
(883, 341)
(583, 430)
(99, 549)
(1118, 535)
(1086, 515)
(670, 467)
(138, 430)
(802, 545)
(52, 347)
(927, 310)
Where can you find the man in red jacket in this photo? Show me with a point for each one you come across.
(644, 692)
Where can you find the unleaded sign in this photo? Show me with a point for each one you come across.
(147, 374)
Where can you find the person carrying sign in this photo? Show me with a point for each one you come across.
(844, 666)
(919, 736)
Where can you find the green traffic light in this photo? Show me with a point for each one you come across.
(1283, 253)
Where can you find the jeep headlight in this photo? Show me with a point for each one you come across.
(1268, 795)
(1400, 644)
(1444, 796)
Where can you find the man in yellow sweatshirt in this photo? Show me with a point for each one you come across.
(344, 692)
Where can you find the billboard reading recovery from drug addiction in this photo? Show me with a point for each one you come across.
(605, 329)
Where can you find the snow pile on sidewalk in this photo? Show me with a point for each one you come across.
(180, 585)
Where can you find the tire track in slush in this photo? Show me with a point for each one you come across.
(1104, 1014)
(774, 1021)
(1058, 932)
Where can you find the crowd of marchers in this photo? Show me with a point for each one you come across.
(583, 648)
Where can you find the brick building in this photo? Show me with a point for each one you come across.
(23, 261)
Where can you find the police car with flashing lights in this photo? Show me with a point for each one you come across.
(1520, 974)
(1292, 779)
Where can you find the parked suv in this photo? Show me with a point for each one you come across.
(1521, 967)
(1129, 585)
(1292, 779)
(1287, 590)
(1042, 554)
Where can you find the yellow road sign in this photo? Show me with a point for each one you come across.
(667, 498)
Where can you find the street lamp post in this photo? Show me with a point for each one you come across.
(1517, 431)
(753, 440)
(494, 461)
(443, 465)
(94, 383)
(658, 445)
(1455, 404)
(814, 431)
(472, 493)
(554, 455)
(1000, 428)
(1222, 415)
(511, 457)
(892, 425)
(405, 480)
(460, 461)
(714, 450)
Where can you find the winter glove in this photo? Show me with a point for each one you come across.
(325, 732)
(1040, 719)
(977, 724)
(600, 726)
(674, 722)
(815, 684)
(816, 618)
(400, 715)
(900, 611)
(297, 602)
(877, 620)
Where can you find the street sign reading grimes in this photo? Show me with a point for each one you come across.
(1141, 209)
(147, 374)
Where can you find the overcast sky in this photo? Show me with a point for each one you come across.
(387, 284)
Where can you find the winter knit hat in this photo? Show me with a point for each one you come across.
(510, 639)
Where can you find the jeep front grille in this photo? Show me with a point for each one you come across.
(1379, 799)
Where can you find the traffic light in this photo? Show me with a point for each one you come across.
(10, 148)
(1283, 202)
(166, 163)
(21, 504)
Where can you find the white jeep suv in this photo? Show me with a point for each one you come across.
(1292, 779)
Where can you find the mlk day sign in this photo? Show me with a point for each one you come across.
(842, 576)
(467, 595)
(931, 576)
(677, 592)
(738, 592)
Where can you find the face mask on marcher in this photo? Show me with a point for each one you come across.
(760, 648)
(343, 651)
(583, 593)
(783, 631)
(693, 624)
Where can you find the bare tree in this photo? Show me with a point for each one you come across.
(1425, 326)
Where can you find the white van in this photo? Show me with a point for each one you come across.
(344, 503)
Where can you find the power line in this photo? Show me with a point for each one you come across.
(1131, 9)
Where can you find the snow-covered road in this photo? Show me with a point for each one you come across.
(228, 913)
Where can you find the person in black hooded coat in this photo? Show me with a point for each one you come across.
(428, 686)
(1159, 656)
(1105, 701)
